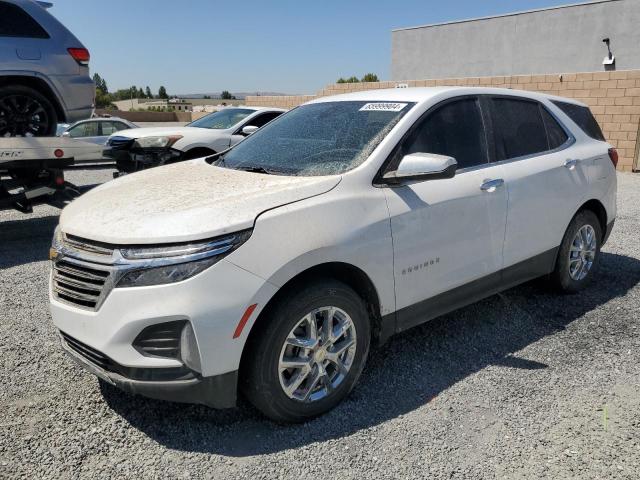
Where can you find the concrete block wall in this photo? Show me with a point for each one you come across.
(614, 98)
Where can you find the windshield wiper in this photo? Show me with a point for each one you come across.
(257, 169)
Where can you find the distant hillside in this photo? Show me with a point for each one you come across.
(238, 95)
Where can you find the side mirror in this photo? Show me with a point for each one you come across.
(249, 129)
(422, 166)
(65, 134)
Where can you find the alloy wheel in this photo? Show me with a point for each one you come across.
(22, 116)
(582, 252)
(317, 354)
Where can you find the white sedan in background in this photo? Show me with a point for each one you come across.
(142, 148)
(95, 131)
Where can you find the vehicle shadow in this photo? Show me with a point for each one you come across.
(26, 240)
(443, 352)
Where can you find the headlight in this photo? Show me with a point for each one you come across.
(56, 243)
(174, 263)
(157, 142)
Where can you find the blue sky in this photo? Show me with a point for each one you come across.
(195, 46)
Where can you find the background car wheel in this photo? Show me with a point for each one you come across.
(579, 253)
(24, 112)
(308, 353)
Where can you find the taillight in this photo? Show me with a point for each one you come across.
(613, 155)
(80, 55)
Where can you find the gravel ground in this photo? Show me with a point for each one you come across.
(525, 384)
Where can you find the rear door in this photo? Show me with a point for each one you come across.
(545, 181)
(447, 233)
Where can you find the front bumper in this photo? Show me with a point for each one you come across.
(212, 302)
(130, 159)
(217, 391)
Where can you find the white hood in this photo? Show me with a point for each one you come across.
(161, 131)
(181, 202)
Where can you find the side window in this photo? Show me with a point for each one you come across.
(583, 117)
(455, 129)
(519, 128)
(555, 133)
(112, 127)
(87, 129)
(263, 119)
(15, 22)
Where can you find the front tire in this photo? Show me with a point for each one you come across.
(579, 253)
(25, 112)
(308, 352)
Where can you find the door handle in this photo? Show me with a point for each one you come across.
(491, 185)
(570, 164)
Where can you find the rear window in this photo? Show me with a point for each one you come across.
(15, 22)
(583, 117)
(519, 128)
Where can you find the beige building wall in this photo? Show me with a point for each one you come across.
(614, 98)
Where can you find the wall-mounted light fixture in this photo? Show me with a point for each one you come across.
(610, 59)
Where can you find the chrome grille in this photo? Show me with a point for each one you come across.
(78, 284)
(96, 248)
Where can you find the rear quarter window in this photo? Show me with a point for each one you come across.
(583, 117)
(15, 22)
(519, 128)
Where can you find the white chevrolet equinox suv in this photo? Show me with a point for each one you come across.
(270, 269)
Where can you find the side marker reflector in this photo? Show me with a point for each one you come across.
(244, 319)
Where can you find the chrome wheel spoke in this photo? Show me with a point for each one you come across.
(317, 354)
(296, 381)
(294, 362)
(333, 354)
(313, 384)
(301, 342)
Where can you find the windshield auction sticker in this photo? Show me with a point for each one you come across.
(383, 107)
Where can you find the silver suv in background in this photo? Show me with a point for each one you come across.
(44, 72)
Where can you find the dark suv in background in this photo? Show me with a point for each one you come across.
(44, 71)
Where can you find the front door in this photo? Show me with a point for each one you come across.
(447, 233)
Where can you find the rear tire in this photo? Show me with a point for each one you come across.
(579, 253)
(25, 112)
(323, 374)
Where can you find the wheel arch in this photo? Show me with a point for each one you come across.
(597, 207)
(197, 152)
(343, 272)
(41, 86)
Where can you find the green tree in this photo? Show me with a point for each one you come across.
(225, 95)
(352, 79)
(147, 92)
(370, 77)
(101, 83)
(162, 93)
(141, 94)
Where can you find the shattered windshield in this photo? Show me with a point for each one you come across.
(317, 139)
